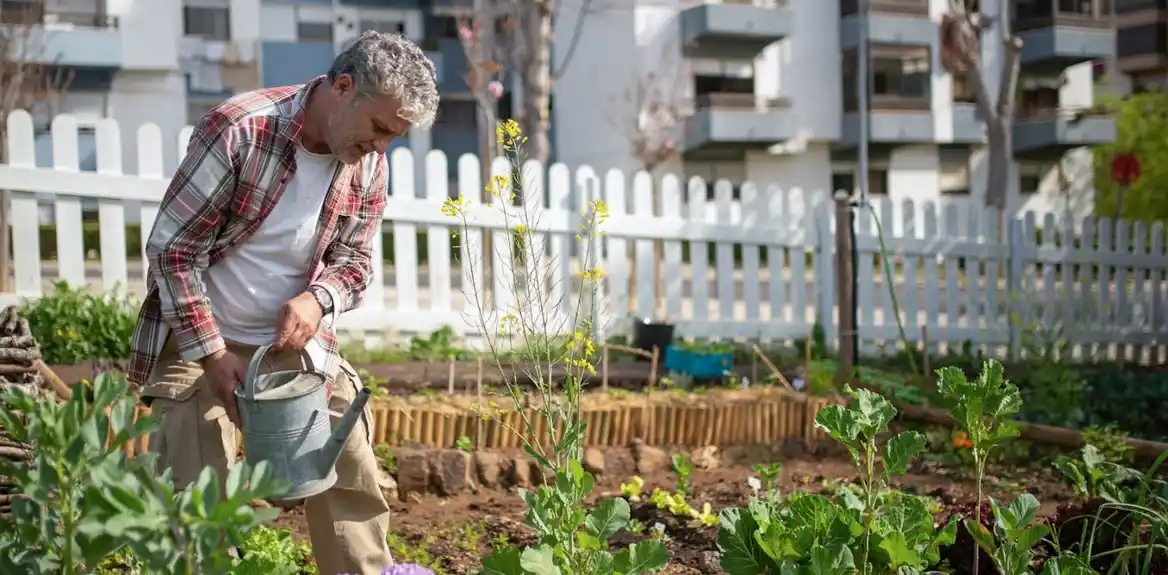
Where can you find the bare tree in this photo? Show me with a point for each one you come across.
(961, 42)
(27, 82)
(653, 113)
(517, 36)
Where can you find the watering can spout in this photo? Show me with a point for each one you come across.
(332, 449)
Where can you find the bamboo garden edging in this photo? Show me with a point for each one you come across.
(767, 416)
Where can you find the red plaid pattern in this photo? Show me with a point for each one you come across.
(240, 157)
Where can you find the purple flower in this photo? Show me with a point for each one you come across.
(407, 569)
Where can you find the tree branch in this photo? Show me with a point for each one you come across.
(574, 41)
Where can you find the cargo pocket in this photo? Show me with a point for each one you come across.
(196, 433)
(352, 388)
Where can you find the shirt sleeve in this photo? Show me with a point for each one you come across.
(349, 259)
(189, 217)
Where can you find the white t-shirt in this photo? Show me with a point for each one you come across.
(249, 286)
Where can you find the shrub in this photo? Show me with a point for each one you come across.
(80, 502)
(74, 326)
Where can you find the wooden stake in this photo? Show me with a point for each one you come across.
(604, 370)
(758, 353)
(64, 393)
(479, 419)
(450, 379)
(925, 349)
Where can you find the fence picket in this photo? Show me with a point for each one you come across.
(438, 236)
(671, 202)
(67, 209)
(111, 214)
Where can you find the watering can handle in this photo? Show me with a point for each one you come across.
(253, 369)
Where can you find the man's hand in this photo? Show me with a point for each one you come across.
(225, 372)
(299, 320)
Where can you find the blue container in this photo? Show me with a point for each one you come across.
(698, 365)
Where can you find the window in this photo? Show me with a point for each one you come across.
(207, 23)
(954, 179)
(905, 76)
(1029, 184)
(897, 73)
(21, 11)
(384, 26)
(962, 90)
(441, 26)
(877, 182)
(457, 113)
(314, 32)
(1038, 102)
(843, 181)
(1142, 40)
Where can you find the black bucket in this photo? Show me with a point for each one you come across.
(647, 335)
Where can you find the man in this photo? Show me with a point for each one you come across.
(264, 236)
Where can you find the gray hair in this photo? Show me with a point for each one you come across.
(390, 64)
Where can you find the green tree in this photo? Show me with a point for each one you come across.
(1142, 129)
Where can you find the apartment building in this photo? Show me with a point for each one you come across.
(767, 91)
(1141, 42)
(108, 60)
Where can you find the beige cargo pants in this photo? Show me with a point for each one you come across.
(347, 524)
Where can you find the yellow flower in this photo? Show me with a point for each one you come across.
(455, 207)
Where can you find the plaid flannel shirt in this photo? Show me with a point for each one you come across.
(240, 157)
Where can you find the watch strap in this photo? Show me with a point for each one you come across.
(323, 298)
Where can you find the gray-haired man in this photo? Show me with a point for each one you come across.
(264, 235)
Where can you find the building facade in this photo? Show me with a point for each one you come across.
(1141, 48)
(767, 91)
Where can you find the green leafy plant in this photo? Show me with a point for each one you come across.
(74, 326)
(1109, 441)
(1012, 543)
(80, 501)
(866, 528)
(549, 344)
(271, 551)
(463, 443)
(1091, 475)
(683, 467)
(983, 408)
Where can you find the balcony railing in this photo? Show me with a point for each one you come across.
(1077, 13)
(905, 7)
(1063, 112)
(1145, 40)
(1128, 6)
(736, 100)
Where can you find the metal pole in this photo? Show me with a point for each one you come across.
(862, 84)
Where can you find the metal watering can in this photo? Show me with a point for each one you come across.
(286, 422)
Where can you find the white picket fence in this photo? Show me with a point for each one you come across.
(768, 271)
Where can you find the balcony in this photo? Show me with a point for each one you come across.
(1049, 134)
(726, 125)
(893, 120)
(1058, 34)
(1144, 47)
(733, 29)
(896, 22)
(82, 39)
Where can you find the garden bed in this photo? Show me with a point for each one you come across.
(458, 531)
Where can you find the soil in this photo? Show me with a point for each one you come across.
(460, 530)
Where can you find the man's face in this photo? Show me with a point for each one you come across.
(359, 125)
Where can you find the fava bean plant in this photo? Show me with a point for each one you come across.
(79, 501)
(542, 340)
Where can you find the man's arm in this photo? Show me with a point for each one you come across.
(349, 259)
(188, 220)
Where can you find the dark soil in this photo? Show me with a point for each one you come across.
(460, 530)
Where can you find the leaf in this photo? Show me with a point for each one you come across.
(609, 517)
(840, 423)
(539, 560)
(831, 560)
(740, 555)
(643, 557)
(899, 552)
(901, 450)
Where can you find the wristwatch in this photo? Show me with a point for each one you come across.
(323, 298)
